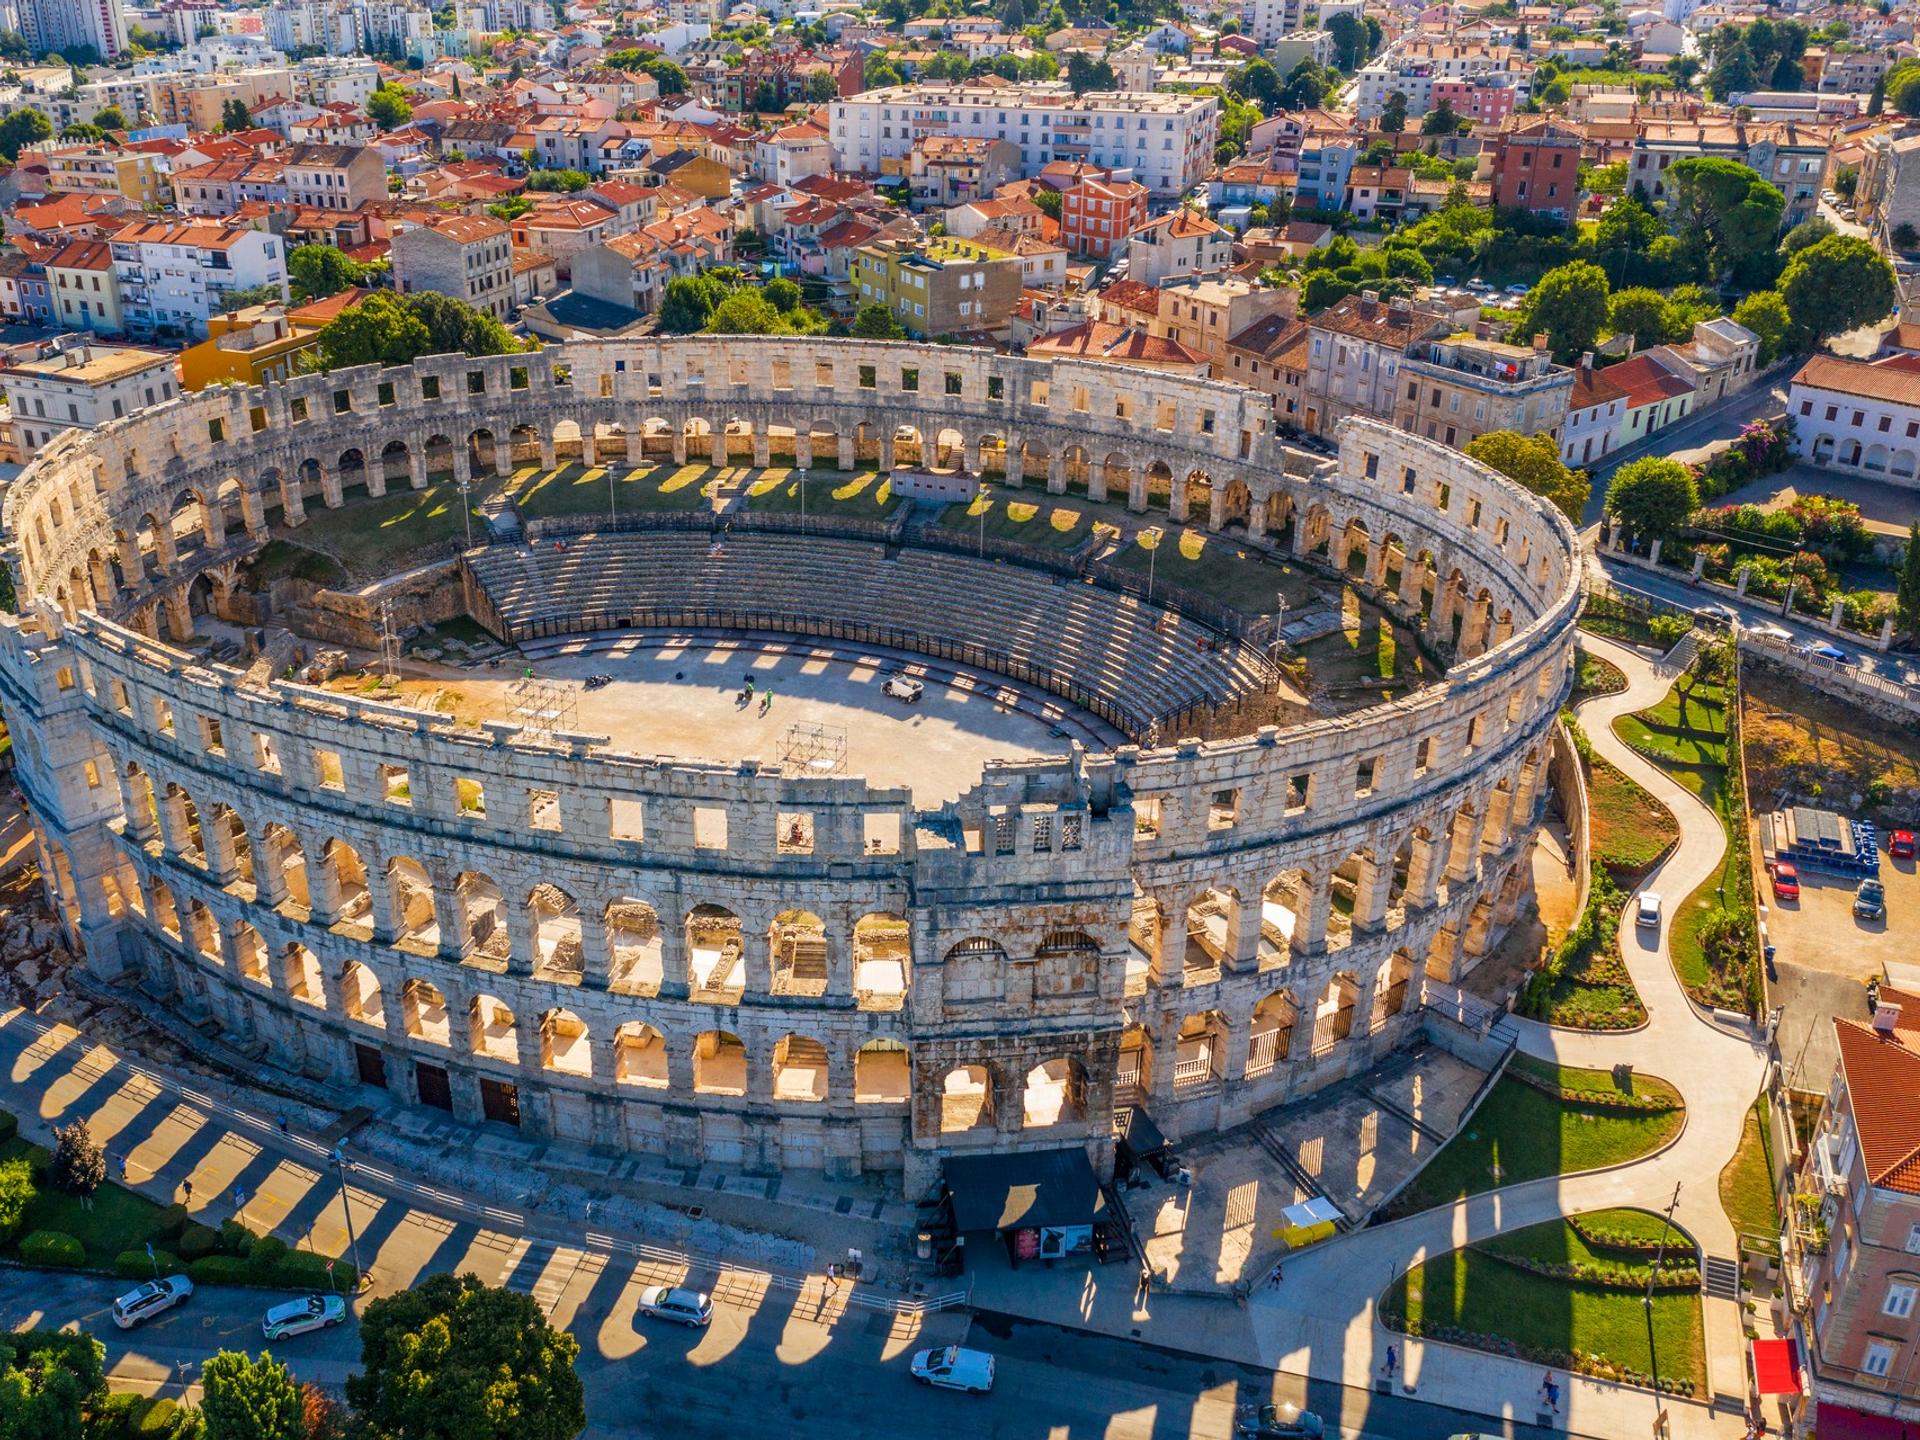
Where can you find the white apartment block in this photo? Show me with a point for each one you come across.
(1265, 21)
(58, 26)
(313, 25)
(1862, 418)
(174, 274)
(1414, 66)
(337, 80)
(80, 386)
(1165, 140)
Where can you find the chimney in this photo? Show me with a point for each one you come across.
(1540, 344)
(1369, 303)
(1586, 363)
(1886, 1019)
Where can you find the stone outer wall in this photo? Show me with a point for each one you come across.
(480, 917)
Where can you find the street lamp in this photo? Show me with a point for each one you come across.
(612, 509)
(466, 508)
(1153, 557)
(802, 473)
(346, 1209)
(985, 506)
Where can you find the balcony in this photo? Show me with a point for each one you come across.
(1829, 1163)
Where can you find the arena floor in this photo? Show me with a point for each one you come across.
(681, 696)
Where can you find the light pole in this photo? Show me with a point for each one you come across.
(1153, 557)
(612, 508)
(985, 505)
(803, 494)
(466, 508)
(346, 1209)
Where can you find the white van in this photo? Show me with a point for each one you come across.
(955, 1368)
(904, 689)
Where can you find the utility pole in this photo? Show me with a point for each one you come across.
(1653, 1274)
(389, 642)
(346, 1209)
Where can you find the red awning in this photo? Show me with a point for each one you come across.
(1776, 1367)
(1842, 1422)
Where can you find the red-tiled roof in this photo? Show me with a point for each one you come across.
(1645, 383)
(1856, 377)
(1883, 1078)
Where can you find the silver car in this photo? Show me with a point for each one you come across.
(150, 1299)
(297, 1317)
(665, 1302)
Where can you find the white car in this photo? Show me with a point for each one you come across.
(1770, 632)
(955, 1368)
(1647, 912)
(297, 1317)
(903, 688)
(150, 1299)
(666, 1302)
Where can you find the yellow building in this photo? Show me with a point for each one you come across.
(259, 343)
(134, 175)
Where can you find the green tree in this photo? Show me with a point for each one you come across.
(1257, 81)
(880, 72)
(1906, 597)
(1652, 497)
(1306, 84)
(111, 118)
(1838, 284)
(782, 294)
(671, 79)
(380, 330)
(1902, 87)
(79, 1164)
(1904, 236)
(1084, 74)
(1732, 72)
(317, 271)
(1729, 215)
(456, 328)
(248, 1399)
(1684, 69)
(1877, 101)
(1534, 461)
(389, 108)
(565, 182)
(821, 88)
(1810, 231)
(1568, 306)
(1766, 315)
(1049, 202)
(23, 127)
(1393, 115)
(47, 1378)
(16, 1194)
(1350, 48)
(235, 117)
(689, 302)
(745, 312)
(1639, 312)
(452, 1359)
(875, 321)
(1440, 120)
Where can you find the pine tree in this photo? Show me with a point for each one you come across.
(1906, 599)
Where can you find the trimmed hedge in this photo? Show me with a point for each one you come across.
(1595, 1099)
(9, 1126)
(1606, 1277)
(196, 1240)
(295, 1270)
(134, 1264)
(1599, 1238)
(53, 1250)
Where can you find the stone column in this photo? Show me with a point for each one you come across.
(519, 937)
(803, 450)
(589, 447)
(1016, 464)
(845, 452)
(596, 959)
(1372, 888)
(1056, 471)
(141, 827)
(376, 477)
(1217, 508)
(323, 891)
(673, 959)
(1423, 875)
(1413, 582)
(269, 873)
(416, 468)
(548, 460)
(503, 456)
(179, 614)
(330, 487)
(1257, 519)
(223, 859)
(1310, 926)
(1177, 502)
(1375, 574)
(886, 451)
(1243, 934)
(132, 565)
(1461, 840)
(1097, 480)
(253, 512)
(462, 466)
(381, 898)
(173, 822)
(165, 555)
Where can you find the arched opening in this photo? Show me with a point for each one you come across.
(166, 914)
(491, 1030)
(189, 842)
(438, 453)
(350, 885)
(799, 1069)
(554, 919)
(882, 957)
(523, 445)
(1283, 903)
(203, 931)
(1213, 929)
(1333, 1012)
(882, 1073)
(1159, 486)
(719, 1064)
(716, 953)
(949, 451)
(423, 1009)
(483, 919)
(1391, 988)
(993, 455)
(640, 1056)
(1078, 466)
(250, 955)
(1271, 1036)
(1146, 929)
(480, 458)
(563, 1044)
(301, 974)
(636, 946)
(976, 971)
(797, 948)
(1055, 1094)
(395, 467)
(288, 858)
(1201, 1051)
(415, 921)
(1133, 1075)
(352, 469)
(360, 997)
(966, 1099)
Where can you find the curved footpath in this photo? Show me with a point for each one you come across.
(1322, 1322)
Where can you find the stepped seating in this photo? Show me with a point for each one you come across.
(1136, 660)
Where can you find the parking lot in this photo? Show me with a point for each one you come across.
(1823, 957)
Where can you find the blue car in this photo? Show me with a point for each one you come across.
(1823, 651)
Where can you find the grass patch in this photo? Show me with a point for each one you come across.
(1593, 676)
(1472, 1297)
(1048, 521)
(1608, 615)
(1686, 733)
(1627, 829)
(1523, 1133)
(1585, 985)
(850, 494)
(585, 490)
(375, 534)
(284, 560)
(1747, 1183)
(117, 1220)
(1217, 566)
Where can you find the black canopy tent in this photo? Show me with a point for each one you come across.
(1045, 1204)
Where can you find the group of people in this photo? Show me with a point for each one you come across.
(745, 697)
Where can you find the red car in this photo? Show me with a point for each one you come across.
(1901, 846)
(1786, 881)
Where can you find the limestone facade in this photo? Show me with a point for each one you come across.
(726, 962)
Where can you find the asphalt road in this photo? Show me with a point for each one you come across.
(771, 1368)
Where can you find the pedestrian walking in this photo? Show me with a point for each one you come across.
(1273, 1276)
(1393, 1361)
(126, 1162)
(282, 1122)
(188, 1187)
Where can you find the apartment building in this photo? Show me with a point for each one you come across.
(1860, 417)
(1327, 158)
(1852, 1265)
(1536, 166)
(334, 177)
(174, 274)
(1888, 193)
(137, 176)
(1790, 155)
(1205, 314)
(259, 343)
(1457, 387)
(948, 170)
(83, 385)
(53, 26)
(469, 257)
(1415, 67)
(82, 287)
(1353, 355)
(946, 287)
(1096, 215)
(1165, 141)
(1179, 245)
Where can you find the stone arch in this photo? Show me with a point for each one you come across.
(1333, 1011)
(1055, 1094)
(882, 960)
(636, 947)
(1146, 934)
(967, 1099)
(1200, 1050)
(396, 462)
(523, 444)
(564, 1044)
(716, 951)
(436, 454)
(1270, 1035)
(415, 919)
(189, 840)
(1392, 989)
(553, 920)
(1286, 911)
(797, 953)
(203, 928)
(301, 976)
(349, 876)
(908, 446)
(423, 1011)
(799, 1069)
(1116, 473)
(882, 1073)
(1157, 484)
(352, 468)
(640, 1056)
(250, 957)
(949, 449)
(360, 997)
(491, 1030)
(719, 1064)
(480, 450)
(1213, 930)
(975, 970)
(992, 454)
(1077, 465)
(483, 917)
(286, 865)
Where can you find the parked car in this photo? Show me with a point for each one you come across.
(1647, 912)
(1900, 845)
(150, 1299)
(904, 689)
(1821, 650)
(1770, 632)
(1720, 617)
(1518, 289)
(1786, 880)
(1870, 900)
(666, 1302)
(1279, 1422)
(297, 1317)
(955, 1368)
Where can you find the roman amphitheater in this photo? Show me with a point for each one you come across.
(787, 961)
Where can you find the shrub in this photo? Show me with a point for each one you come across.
(295, 1270)
(172, 1221)
(16, 1194)
(40, 1160)
(53, 1250)
(9, 1126)
(197, 1240)
(79, 1164)
(269, 1253)
(236, 1238)
(134, 1264)
(1668, 629)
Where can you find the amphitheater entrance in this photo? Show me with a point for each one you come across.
(500, 1101)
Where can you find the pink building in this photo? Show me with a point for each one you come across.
(1482, 104)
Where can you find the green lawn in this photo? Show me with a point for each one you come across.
(1594, 676)
(117, 1220)
(374, 535)
(1746, 1185)
(1217, 566)
(1054, 522)
(583, 490)
(1686, 733)
(849, 494)
(1627, 828)
(1522, 1133)
(1469, 1294)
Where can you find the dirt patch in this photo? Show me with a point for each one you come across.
(1807, 746)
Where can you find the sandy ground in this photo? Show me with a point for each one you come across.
(682, 699)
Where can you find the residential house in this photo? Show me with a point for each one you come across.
(1859, 416)
(1792, 156)
(83, 385)
(1593, 416)
(139, 177)
(1179, 245)
(1043, 263)
(1117, 345)
(1458, 387)
(692, 171)
(85, 294)
(1378, 192)
(947, 286)
(1355, 348)
(1097, 214)
(1270, 356)
(792, 153)
(1887, 195)
(1204, 314)
(1013, 213)
(1656, 398)
(174, 274)
(1720, 360)
(948, 170)
(334, 177)
(467, 257)
(24, 296)
(1536, 166)
(259, 343)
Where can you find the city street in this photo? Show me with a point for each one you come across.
(775, 1365)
